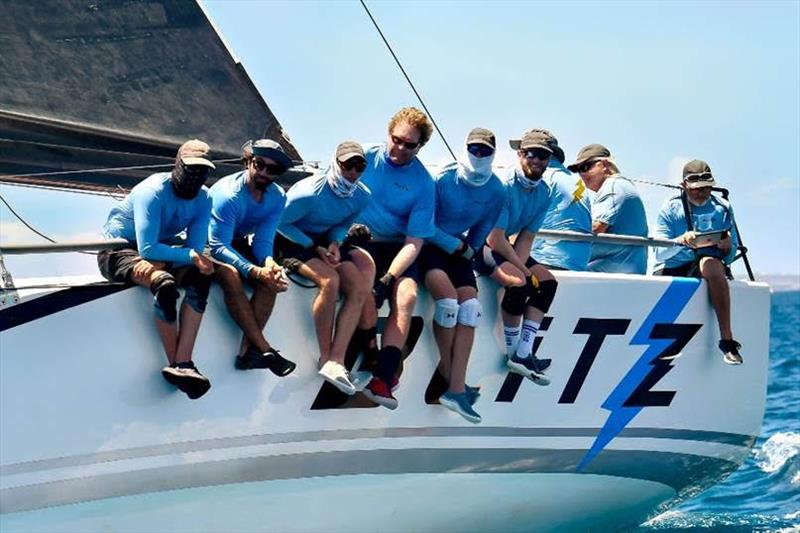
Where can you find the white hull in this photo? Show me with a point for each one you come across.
(93, 438)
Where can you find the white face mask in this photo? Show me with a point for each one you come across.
(475, 171)
(341, 186)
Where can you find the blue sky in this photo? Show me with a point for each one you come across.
(658, 83)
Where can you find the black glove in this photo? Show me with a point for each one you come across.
(357, 235)
(291, 264)
(383, 289)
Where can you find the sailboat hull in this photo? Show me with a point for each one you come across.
(93, 438)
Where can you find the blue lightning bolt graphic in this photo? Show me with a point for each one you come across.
(667, 309)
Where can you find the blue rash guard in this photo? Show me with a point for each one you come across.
(236, 214)
(463, 208)
(313, 208)
(569, 210)
(618, 204)
(403, 198)
(524, 208)
(715, 215)
(153, 218)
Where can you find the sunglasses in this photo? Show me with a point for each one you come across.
(480, 150)
(195, 171)
(407, 145)
(353, 163)
(691, 178)
(537, 153)
(271, 168)
(586, 165)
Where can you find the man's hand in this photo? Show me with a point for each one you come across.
(358, 234)
(329, 255)
(203, 263)
(383, 289)
(687, 239)
(273, 276)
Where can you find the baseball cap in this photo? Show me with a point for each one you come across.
(533, 139)
(348, 150)
(195, 152)
(697, 174)
(481, 136)
(272, 150)
(587, 153)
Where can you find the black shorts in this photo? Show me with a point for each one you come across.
(688, 270)
(117, 265)
(383, 253)
(457, 268)
(487, 260)
(286, 249)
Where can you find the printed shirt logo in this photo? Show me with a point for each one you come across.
(580, 188)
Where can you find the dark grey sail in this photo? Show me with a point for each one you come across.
(88, 84)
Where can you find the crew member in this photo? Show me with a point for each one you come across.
(151, 218)
(616, 208)
(682, 218)
(247, 206)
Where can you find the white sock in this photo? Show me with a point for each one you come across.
(529, 331)
(511, 333)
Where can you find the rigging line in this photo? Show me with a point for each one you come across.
(419, 97)
(104, 169)
(36, 231)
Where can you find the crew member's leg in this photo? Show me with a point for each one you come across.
(713, 271)
(240, 309)
(468, 314)
(324, 305)
(356, 286)
(445, 316)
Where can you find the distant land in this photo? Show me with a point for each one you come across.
(781, 282)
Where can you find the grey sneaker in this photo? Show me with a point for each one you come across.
(473, 393)
(730, 351)
(528, 368)
(336, 374)
(459, 403)
(187, 378)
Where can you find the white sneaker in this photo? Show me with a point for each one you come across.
(360, 379)
(336, 374)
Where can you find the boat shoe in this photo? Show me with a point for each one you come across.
(459, 403)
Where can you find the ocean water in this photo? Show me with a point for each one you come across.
(764, 494)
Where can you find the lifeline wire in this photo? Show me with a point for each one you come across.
(435, 125)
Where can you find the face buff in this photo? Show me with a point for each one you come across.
(526, 182)
(188, 180)
(474, 170)
(341, 186)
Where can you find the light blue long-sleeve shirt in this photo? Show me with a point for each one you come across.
(236, 213)
(153, 217)
(569, 210)
(313, 208)
(715, 215)
(618, 204)
(523, 208)
(403, 198)
(464, 209)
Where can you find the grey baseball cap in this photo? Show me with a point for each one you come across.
(482, 136)
(587, 153)
(697, 174)
(533, 139)
(348, 150)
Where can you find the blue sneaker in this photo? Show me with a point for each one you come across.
(542, 364)
(473, 393)
(528, 368)
(459, 403)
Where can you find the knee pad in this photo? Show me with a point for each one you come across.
(445, 312)
(197, 286)
(165, 297)
(542, 297)
(514, 300)
(469, 312)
